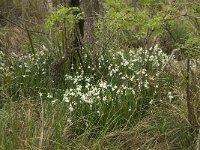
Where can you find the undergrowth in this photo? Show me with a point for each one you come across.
(128, 95)
(124, 100)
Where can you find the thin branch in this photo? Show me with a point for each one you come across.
(31, 42)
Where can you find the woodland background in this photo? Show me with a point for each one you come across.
(91, 74)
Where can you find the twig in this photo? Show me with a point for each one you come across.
(31, 42)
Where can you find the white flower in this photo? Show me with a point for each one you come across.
(123, 78)
(71, 108)
(113, 88)
(146, 84)
(66, 99)
(53, 102)
(72, 94)
(126, 63)
(41, 53)
(118, 91)
(104, 98)
(49, 95)
(69, 121)
(79, 88)
(170, 96)
(157, 74)
(124, 87)
(151, 58)
(88, 79)
(85, 98)
(40, 94)
(144, 71)
(44, 48)
(133, 91)
(103, 85)
(151, 102)
(98, 112)
(75, 80)
(131, 79)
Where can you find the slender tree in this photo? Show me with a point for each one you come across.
(90, 8)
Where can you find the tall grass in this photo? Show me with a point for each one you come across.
(122, 93)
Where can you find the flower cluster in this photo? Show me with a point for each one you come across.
(116, 78)
(25, 70)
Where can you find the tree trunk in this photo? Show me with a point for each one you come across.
(72, 43)
(190, 100)
(90, 8)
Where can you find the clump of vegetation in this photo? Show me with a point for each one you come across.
(120, 85)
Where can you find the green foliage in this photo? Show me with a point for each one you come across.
(67, 15)
(193, 46)
(130, 25)
(193, 42)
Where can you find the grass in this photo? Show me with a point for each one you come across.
(131, 96)
(121, 103)
(28, 125)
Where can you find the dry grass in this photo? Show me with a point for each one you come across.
(159, 130)
(14, 38)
